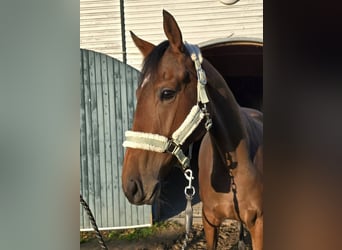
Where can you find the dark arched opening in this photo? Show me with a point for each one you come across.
(239, 61)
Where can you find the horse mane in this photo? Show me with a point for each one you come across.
(230, 126)
(151, 62)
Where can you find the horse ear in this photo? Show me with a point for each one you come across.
(144, 46)
(172, 32)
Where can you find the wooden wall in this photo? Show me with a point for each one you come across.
(106, 112)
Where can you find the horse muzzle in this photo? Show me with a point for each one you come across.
(136, 194)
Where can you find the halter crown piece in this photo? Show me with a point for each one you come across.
(162, 144)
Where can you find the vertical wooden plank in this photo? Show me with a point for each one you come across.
(86, 160)
(90, 131)
(114, 150)
(136, 82)
(109, 139)
(119, 138)
(107, 166)
(131, 82)
(82, 138)
(98, 140)
(124, 108)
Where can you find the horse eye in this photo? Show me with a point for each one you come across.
(167, 94)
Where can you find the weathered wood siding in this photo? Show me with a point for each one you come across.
(106, 111)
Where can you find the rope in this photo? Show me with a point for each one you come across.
(232, 165)
(241, 244)
(189, 192)
(93, 223)
(185, 241)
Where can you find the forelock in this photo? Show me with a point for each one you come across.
(151, 62)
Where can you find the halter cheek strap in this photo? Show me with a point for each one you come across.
(162, 144)
(196, 57)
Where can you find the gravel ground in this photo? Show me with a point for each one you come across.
(170, 237)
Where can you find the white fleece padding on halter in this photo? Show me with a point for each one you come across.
(158, 143)
(188, 126)
(146, 141)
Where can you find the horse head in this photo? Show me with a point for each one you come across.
(165, 95)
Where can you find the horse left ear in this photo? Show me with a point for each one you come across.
(172, 32)
(144, 46)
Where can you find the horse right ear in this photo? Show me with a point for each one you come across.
(144, 46)
(172, 32)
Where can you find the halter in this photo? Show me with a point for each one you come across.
(162, 144)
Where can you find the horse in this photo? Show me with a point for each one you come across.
(181, 99)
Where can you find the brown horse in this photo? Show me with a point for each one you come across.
(169, 98)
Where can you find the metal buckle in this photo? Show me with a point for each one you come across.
(176, 150)
(188, 175)
(201, 76)
(171, 147)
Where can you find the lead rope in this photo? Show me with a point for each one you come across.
(232, 165)
(241, 243)
(93, 223)
(189, 192)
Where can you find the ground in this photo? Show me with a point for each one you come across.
(168, 235)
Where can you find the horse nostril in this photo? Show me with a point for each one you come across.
(132, 188)
(134, 191)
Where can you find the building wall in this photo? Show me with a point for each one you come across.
(199, 20)
(100, 26)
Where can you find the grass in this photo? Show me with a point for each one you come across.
(129, 234)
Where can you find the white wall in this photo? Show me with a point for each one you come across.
(100, 27)
(199, 20)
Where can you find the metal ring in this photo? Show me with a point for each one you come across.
(192, 191)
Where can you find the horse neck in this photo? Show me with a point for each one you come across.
(228, 128)
(227, 132)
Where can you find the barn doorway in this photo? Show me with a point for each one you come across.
(240, 63)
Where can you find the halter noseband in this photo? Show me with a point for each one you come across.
(162, 144)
